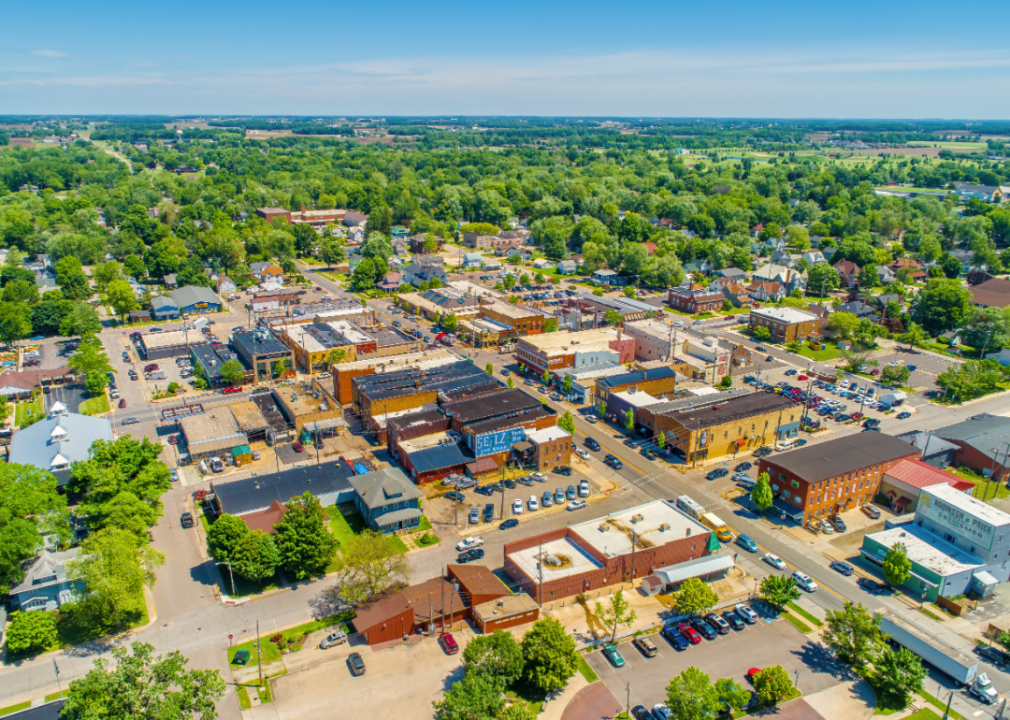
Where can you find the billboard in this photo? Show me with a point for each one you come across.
(957, 521)
(498, 442)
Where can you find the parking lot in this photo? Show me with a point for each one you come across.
(769, 642)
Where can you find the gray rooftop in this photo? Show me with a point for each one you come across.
(982, 432)
(832, 458)
(192, 295)
(382, 487)
(58, 440)
(48, 568)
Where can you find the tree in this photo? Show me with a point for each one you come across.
(773, 683)
(336, 356)
(72, 280)
(125, 511)
(761, 495)
(896, 565)
(691, 696)
(842, 325)
(231, 372)
(15, 322)
(511, 383)
(566, 422)
(450, 322)
(942, 306)
(899, 672)
(694, 597)
(549, 655)
(613, 318)
(854, 634)
(478, 696)
(369, 563)
(114, 570)
(618, 613)
(144, 685)
(21, 292)
(499, 655)
(82, 320)
(822, 279)
(30, 507)
(914, 336)
(951, 267)
(858, 360)
(777, 590)
(601, 409)
(566, 385)
(121, 297)
(551, 325)
(761, 333)
(546, 378)
(105, 273)
(731, 693)
(123, 465)
(255, 557)
(895, 375)
(489, 369)
(305, 543)
(726, 382)
(225, 535)
(31, 631)
(629, 419)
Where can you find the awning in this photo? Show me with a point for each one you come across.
(397, 516)
(483, 465)
(329, 424)
(985, 579)
(791, 511)
(522, 446)
(903, 502)
(694, 568)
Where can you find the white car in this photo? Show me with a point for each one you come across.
(844, 384)
(470, 542)
(746, 613)
(591, 419)
(539, 476)
(517, 507)
(584, 488)
(582, 453)
(804, 581)
(775, 561)
(576, 504)
(532, 503)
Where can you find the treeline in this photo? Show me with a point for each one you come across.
(297, 127)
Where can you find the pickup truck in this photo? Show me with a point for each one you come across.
(469, 543)
(186, 520)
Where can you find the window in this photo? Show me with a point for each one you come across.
(794, 483)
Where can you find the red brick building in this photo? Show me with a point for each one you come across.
(694, 299)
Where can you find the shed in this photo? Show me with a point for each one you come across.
(673, 575)
(894, 398)
(242, 454)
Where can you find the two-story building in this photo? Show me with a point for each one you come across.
(694, 299)
(388, 500)
(785, 324)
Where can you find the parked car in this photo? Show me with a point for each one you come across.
(993, 655)
(843, 567)
(297, 447)
(746, 613)
(872, 586)
(510, 523)
(474, 517)
(532, 504)
(674, 637)
(646, 646)
(563, 470)
(333, 639)
(704, 628)
(469, 542)
(733, 619)
(547, 500)
(470, 556)
(122, 403)
(576, 504)
(872, 511)
(690, 633)
(448, 644)
(612, 654)
(455, 496)
(743, 467)
(640, 712)
(583, 488)
(904, 415)
(718, 623)
(356, 664)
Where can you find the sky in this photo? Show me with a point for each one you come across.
(891, 59)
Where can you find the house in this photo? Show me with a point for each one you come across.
(390, 282)
(992, 293)
(848, 271)
(782, 257)
(857, 308)
(491, 265)
(694, 300)
(698, 266)
(790, 279)
(388, 500)
(524, 253)
(472, 260)
(58, 440)
(46, 585)
(785, 324)
(913, 268)
(903, 482)
(732, 273)
(191, 299)
(883, 300)
(982, 441)
(988, 193)
(567, 267)
(606, 277)
(417, 274)
(765, 291)
(353, 218)
(170, 281)
(543, 264)
(226, 286)
(814, 257)
(885, 274)
(264, 271)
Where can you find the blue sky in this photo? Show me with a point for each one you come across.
(858, 59)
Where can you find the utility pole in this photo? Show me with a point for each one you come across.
(442, 606)
(633, 539)
(259, 652)
(627, 708)
(540, 570)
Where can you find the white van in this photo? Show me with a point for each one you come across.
(745, 481)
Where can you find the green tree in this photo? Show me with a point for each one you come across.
(914, 336)
(549, 655)
(777, 590)
(114, 569)
(144, 685)
(842, 325)
(546, 378)
(511, 383)
(899, 673)
(15, 322)
(125, 511)
(854, 634)
(618, 613)
(21, 292)
(450, 322)
(31, 631)
(368, 564)
(726, 382)
(478, 696)
(761, 333)
(121, 298)
(566, 385)
(231, 372)
(601, 409)
(896, 565)
(942, 306)
(82, 320)
(822, 279)
(661, 441)
(567, 423)
(613, 318)
(225, 535)
(629, 419)
(731, 693)
(551, 325)
(255, 556)
(499, 655)
(105, 273)
(761, 495)
(692, 696)
(30, 507)
(489, 369)
(71, 279)
(305, 543)
(694, 597)
(772, 684)
(895, 375)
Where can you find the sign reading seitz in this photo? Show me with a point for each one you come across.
(497, 442)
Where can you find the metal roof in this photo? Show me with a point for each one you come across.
(490, 406)
(982, 432)
(693, 568)
(832, 458)
(192, 295)
(440, 457)
(636, 377)
(253, 494)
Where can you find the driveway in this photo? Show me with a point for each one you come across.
(70, 395)
(399, 682)
(728, 656)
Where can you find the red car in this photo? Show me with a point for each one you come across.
(173, 439)
(122, 403)
(151, 368)
(802, 377)
(856, 415)
(448, 644)
(874, 372)
(298, 447)
(690, 633)
(231, 389)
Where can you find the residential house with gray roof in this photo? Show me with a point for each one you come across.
(58, 440)
(388, 500)
(46, 585)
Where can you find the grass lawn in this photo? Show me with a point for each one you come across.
(924, 714)
(15, 708)
(930, 613)
(587, 672)
(425, 524)
(797, 623)
(800, 611)
(524, 692)
(56, 695)
(96, 405)
(26, 410)
(830, 352)
(990, 490)
(937, 703)
(271, 652)
(344, 527)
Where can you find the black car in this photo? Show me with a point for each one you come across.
(510, 523)
(640, 712)
(843, 567)
(734, 620)
(454, 496)
(483, 490)
(591, 444)
(648, 453)
(743, 467)
(717, 473)
(703, 628)
(904, 415)
(510, 484)
(356, 664)
(762, 452)
(470, 555)
(631, 442)
(674, 637)
(563, 470)
(488, 512)
(498, 486)
(872, 586)
(993, 655)
(720, 625)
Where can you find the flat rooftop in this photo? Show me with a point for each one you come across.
(637, 399)
(927, 550)
(172, 339)
(716, 411)
(786, 315)
(967, 504)
(422, 361)
(571, 559)
(570, 342)
(655, 523)
(426, 441)
(260, 342)
(300, 335)
(515, 312)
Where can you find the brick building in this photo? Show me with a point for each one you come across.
(785, 324)
(655, 381)
(524, 320)
(694, 299)
(558, 350)
(552, 447)
(982, 443)
(833, 476)
(605, 551)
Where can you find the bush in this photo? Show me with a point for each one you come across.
(34, 630)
